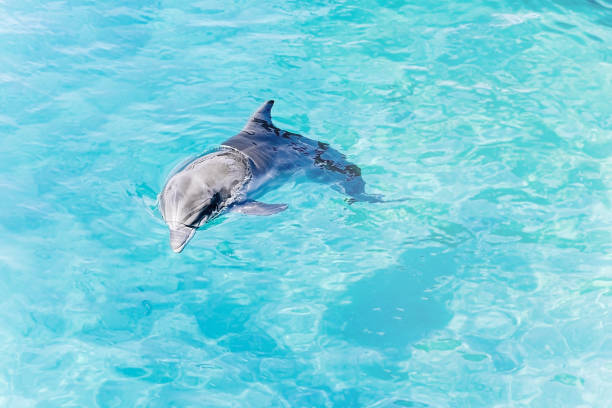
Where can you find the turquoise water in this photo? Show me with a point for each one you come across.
(491, 286)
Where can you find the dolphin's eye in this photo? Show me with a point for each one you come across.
(195, 219)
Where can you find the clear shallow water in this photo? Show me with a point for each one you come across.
(491, 286)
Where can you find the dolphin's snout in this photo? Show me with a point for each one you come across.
(179, 236)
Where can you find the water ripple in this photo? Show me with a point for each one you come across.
(489, 286)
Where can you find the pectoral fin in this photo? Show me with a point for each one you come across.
(257, 208)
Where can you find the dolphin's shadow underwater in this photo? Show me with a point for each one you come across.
(246, 166)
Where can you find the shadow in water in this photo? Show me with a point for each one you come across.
(396, 306)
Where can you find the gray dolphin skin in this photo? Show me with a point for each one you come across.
(246, 166)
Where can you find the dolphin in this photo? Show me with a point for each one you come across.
(244, 167)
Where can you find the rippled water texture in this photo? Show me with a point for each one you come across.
(490, 286)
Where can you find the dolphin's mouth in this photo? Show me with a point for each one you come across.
(180, 236)
(181, 233)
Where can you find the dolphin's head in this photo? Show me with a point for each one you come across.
(199, 192)
(185, 205)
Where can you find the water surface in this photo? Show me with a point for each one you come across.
(490, 286)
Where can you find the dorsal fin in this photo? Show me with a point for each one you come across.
(261, 117)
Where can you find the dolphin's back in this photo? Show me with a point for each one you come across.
(272, 151)
(267, 146)
(259, 147)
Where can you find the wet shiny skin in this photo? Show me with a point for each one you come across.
(200, 191)
(256, 158)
